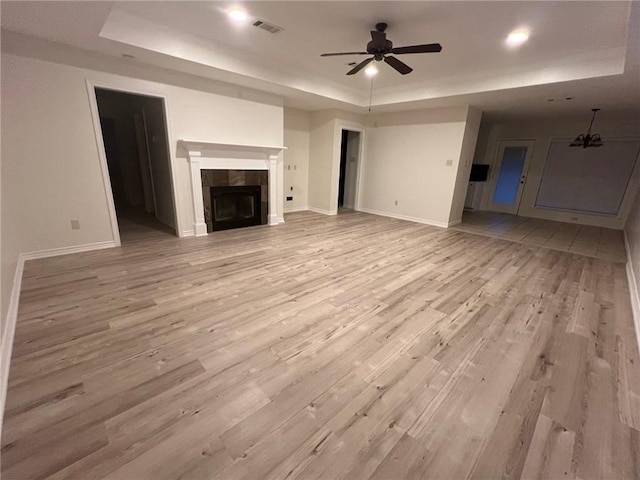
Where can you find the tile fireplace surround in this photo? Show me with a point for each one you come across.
(227, 156)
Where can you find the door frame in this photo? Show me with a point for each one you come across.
(339, 127)
(102, 156)
(493, 181)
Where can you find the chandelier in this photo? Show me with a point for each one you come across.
(588, 139)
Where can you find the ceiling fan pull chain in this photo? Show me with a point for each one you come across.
(371, 92)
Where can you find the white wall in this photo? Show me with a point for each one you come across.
(608, 124)
(50, 157)
(324, 156)
(632, 243)
(469, 139)
(321, 151)
(406, 162)
(297, 125)
(8, 256)
(52, 127)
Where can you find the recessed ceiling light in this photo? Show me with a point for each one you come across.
(517, 37)
(238, 15)
(126, 55)
(371, 70)
(550, 99)
(568, 98)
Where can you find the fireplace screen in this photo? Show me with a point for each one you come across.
(234, 207)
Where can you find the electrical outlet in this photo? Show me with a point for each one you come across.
(75, 224)
(289, 199)
(449, 163)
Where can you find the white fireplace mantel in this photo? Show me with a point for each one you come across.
(232, 156)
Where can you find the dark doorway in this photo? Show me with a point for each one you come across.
(349, 159)
(134, 133)
(343, 167)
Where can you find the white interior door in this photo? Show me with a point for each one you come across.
(510, 175)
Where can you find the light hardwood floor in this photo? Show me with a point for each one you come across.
(604, 243)
(346, 347)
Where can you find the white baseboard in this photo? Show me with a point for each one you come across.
(633, 289)
(295, 209)
(7, 338)
(188, 233)
(455, 222)
(407, 217)
(54, 252)
(322, 211)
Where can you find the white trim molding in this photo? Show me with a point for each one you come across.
(295, 209)
(9, 334)
(322, 211)
(633, 289)
(102, 158)
(231, 156)
(410, 219)
(54, 252)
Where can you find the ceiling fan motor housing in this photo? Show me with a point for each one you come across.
(378, 49)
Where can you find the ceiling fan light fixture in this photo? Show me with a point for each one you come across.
(371, 70)
(595, 141)
(578, 142)
(517, 38)
(586, 140)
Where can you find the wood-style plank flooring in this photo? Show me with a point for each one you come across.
(604, 243)
(345, 347)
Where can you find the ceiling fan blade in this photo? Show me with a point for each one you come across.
(343, 53)
(401, 67)
(360, 66)
(428, 48)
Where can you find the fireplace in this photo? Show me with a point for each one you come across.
(242, 163)
(234, 198)
(236, 206)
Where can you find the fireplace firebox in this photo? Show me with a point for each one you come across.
(235, 206)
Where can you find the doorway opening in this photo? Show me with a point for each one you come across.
(349, 162)
(134, 133)
(508, 183)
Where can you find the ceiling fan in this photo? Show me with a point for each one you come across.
(380, 47)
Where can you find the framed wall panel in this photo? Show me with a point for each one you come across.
(591, 180)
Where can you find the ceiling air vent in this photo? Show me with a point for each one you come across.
(269, 27)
